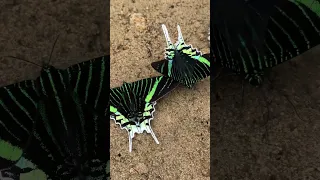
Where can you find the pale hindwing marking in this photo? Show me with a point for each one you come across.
(189, 73)
(139, 128)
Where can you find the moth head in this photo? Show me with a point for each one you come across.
(50, 71)
(50, 75)
(48, 68)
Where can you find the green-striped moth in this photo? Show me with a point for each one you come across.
(293, 28)
(132, 105)
(183, 63)
(70, 138)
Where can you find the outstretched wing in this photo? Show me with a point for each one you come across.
(69, 140)
(293, 29)
(200, 70)
(154, 88)
(70, 128)
(18, 109)
(149, 90)
(245, 19)
(91, 81)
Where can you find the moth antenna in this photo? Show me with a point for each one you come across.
(53, 48)
(24, 60)
(180, 37)
(166, 34)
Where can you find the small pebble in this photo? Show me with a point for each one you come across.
(138, 21)
(142, 168)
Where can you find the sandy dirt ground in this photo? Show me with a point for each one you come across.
(182, 118)
(277, 136)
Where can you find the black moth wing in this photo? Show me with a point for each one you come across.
(154, 88)
(161, 67)
(69, 141)
(292, 28)
(18, 112)
(200, 70)
(91, 81)
(117, 100)
(238, 37)
(147, 90)
(242, 19)
(60, 145)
